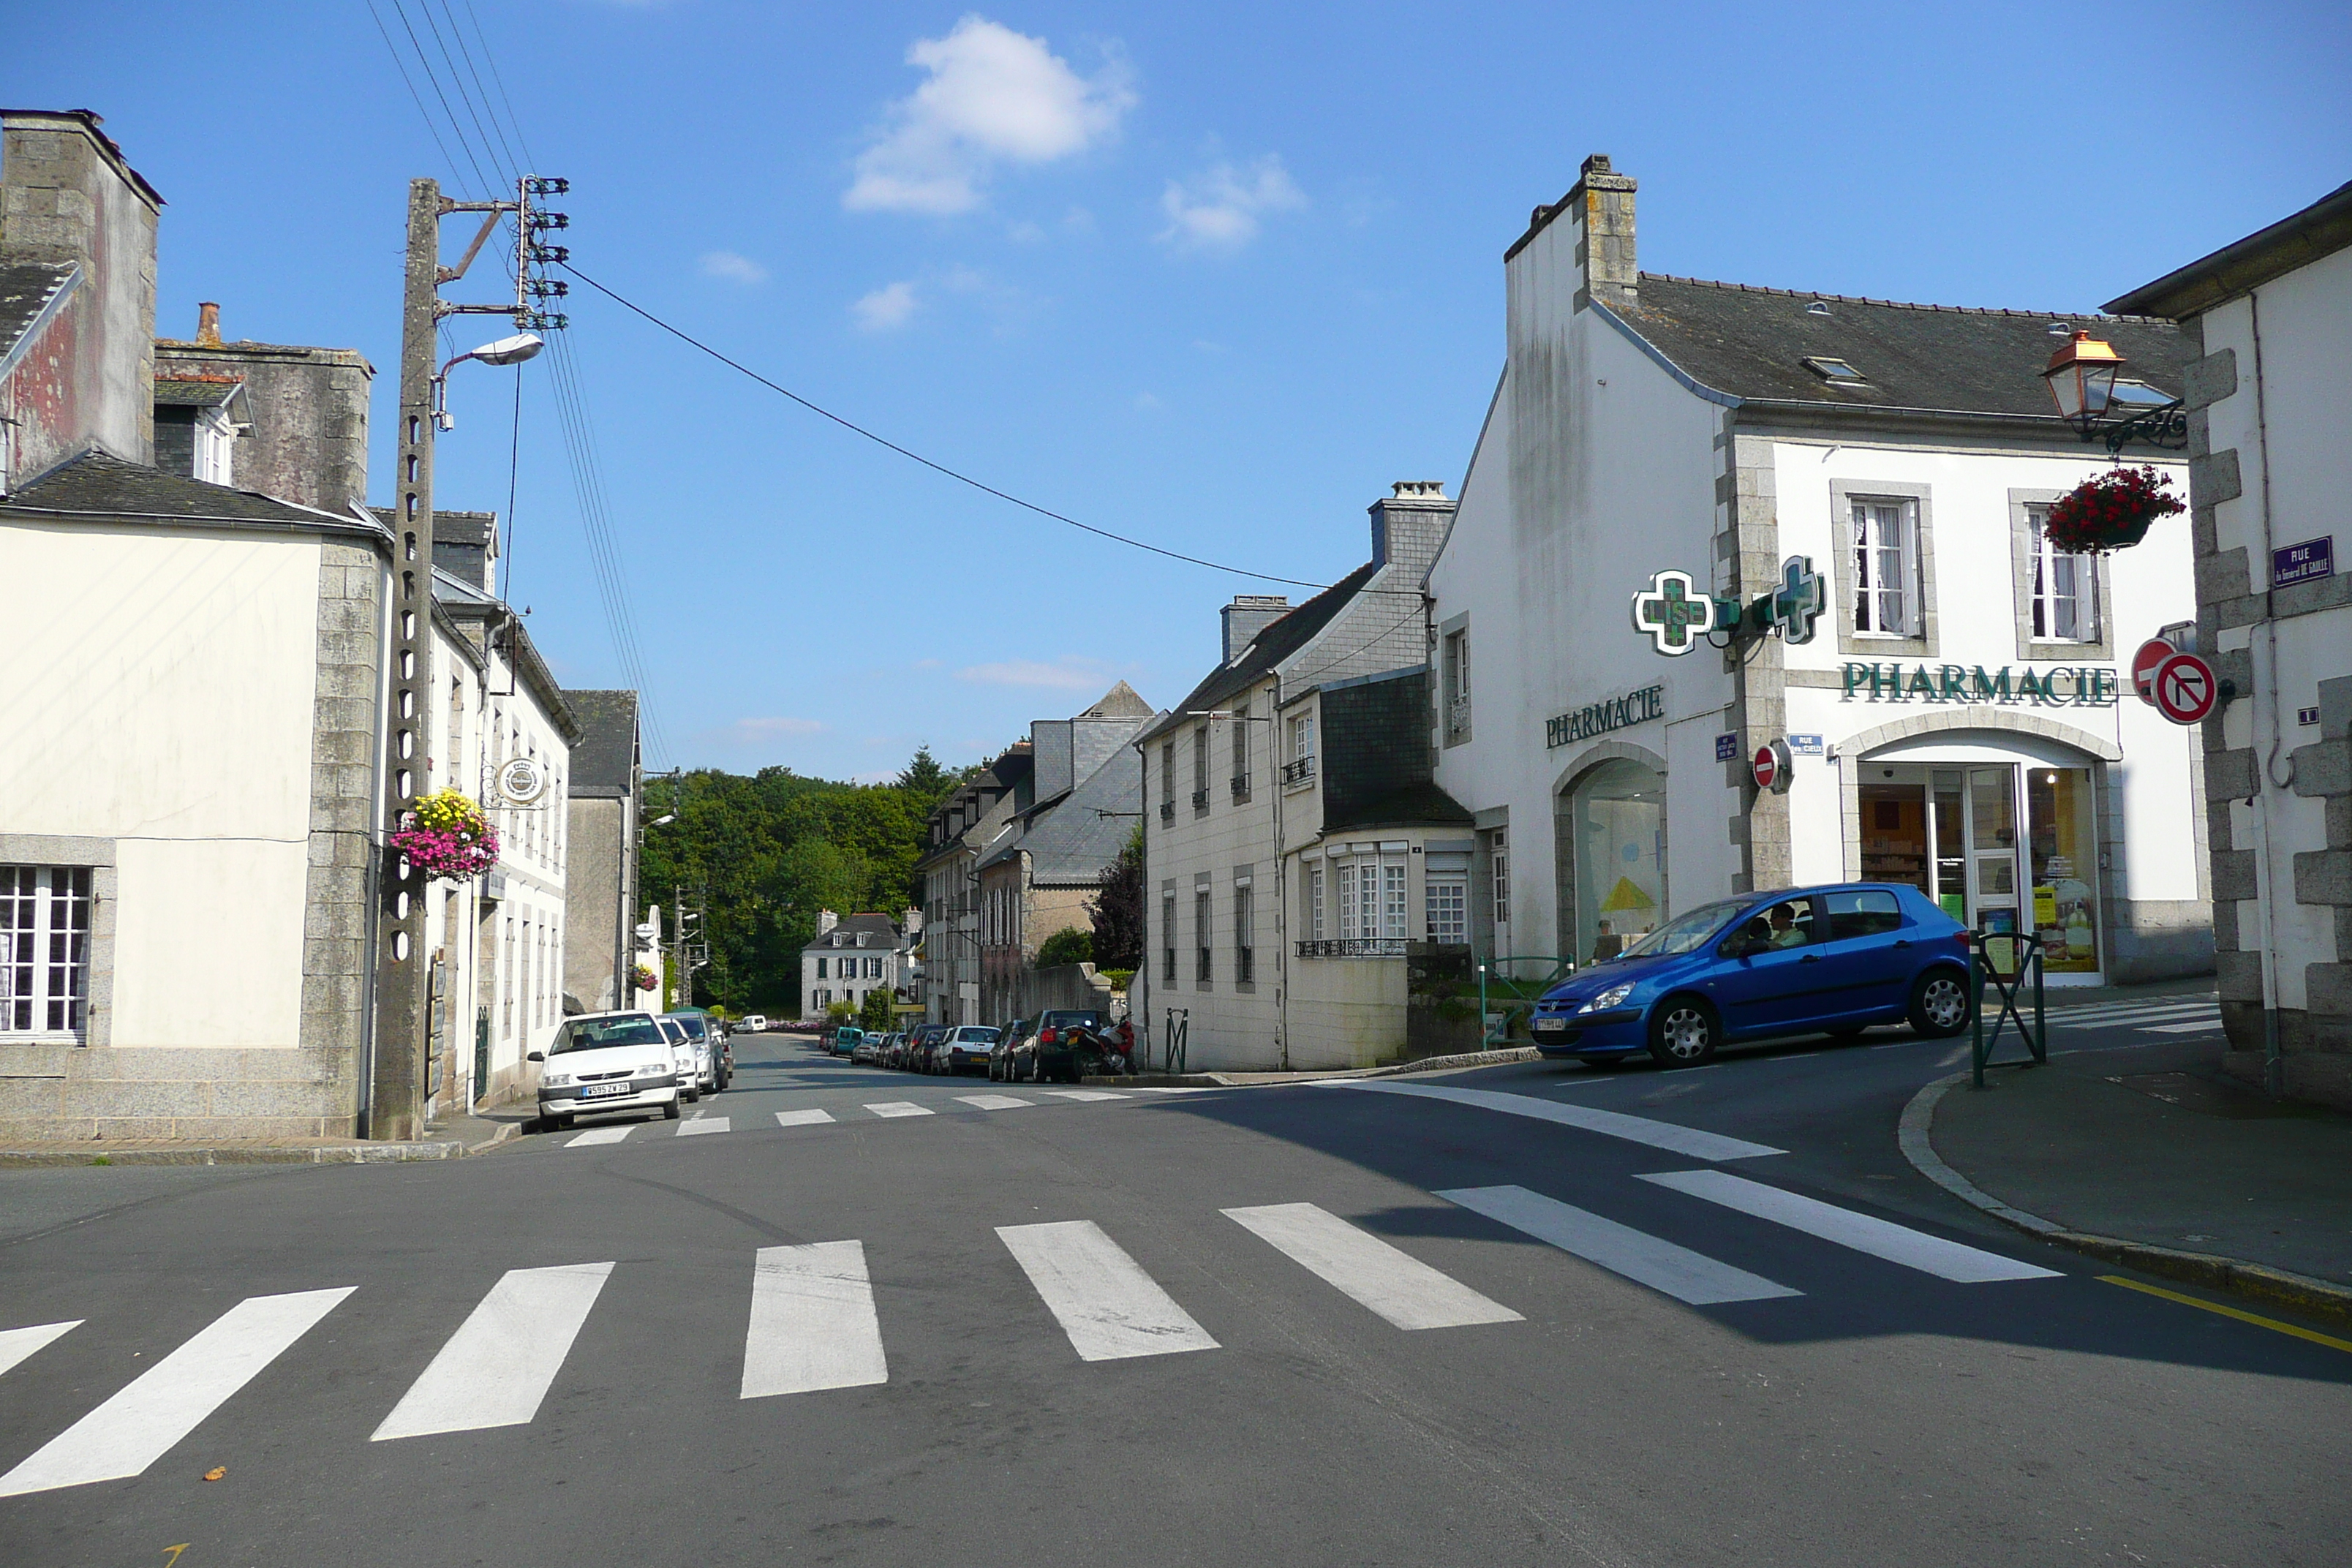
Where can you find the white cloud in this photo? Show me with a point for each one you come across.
(887, 308)
(1063, 677)
(993, 95)
(1219, 210)
(735, 268)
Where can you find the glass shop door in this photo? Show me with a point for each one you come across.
(1950, 832)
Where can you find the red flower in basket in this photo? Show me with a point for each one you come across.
(2110, 512)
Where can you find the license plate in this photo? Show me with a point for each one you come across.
(1550, 1025)
(598, 1090)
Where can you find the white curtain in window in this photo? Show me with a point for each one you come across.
(1883, 568)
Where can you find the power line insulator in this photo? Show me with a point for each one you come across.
(550, 255)
(541, 222)
(546, 186)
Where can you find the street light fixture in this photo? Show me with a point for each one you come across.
(2081, 377)
(505, 350)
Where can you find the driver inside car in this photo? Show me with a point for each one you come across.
(1785, 931)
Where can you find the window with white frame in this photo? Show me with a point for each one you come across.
(1201, 931)
(1343, 898)
(1392, 904)
(1245, 954)
(1499, 851)
(2065, 589)
(1886, 567)
(1456, 673)
(1447, 896)
(45, 949)
(1302, 736)
(1310, 900)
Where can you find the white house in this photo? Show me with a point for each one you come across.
(1955, 697)
(851, 957)
(2269, 404)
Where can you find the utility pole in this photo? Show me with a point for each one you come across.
(693, 951)
(393, 1080)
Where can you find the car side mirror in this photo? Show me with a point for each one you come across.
(536, 1056)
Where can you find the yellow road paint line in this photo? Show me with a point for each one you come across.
(2244, 1317)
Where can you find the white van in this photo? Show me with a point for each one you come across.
(601, 1062)
(755, 1024)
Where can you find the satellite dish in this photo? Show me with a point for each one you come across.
(521, 781)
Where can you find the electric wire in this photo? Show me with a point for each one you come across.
(410, 28)
(422, 112)
(692, 341)
(514, 471)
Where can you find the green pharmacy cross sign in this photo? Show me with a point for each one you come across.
(1676, 616)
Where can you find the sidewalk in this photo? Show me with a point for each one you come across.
(2153, 1157)
(452, 1140)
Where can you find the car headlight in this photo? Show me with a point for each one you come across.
(556, 1079)
(651, 1069)
(1608, 999)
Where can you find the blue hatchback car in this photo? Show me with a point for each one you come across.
(1804, 961)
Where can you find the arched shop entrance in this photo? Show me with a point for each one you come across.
(1611, 820)
(2002, 841)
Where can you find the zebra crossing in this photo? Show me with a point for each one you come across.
(703, 1125)
(814, 1323)
(2184, 1015)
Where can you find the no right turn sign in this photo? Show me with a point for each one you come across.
(2184, 689)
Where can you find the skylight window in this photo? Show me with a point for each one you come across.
(2138, 395)
(1835, 370)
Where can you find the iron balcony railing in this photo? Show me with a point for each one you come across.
(1240, 786)
(1354, 947)
(1298, 771)
(1167, 811)
(1199, 800)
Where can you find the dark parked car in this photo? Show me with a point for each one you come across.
(1013, 1054)
(1804, 961)
(917, 1056)
(1060, 1032)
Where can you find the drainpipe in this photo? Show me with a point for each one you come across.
(2266, 706)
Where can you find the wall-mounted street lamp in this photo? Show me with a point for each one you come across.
(2095, 401)
(505, 350)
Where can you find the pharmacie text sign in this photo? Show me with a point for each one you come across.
(2068, 686)
(1610, 713)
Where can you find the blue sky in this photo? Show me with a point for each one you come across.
(1212, 275)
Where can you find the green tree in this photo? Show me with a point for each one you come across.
(1067, 945)
(878, 1014)
(1117, 908)
(839, 1013)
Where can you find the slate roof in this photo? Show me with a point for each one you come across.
(26, 289)
(195, 390)
(1751, 343)
(1121, 701)
(604, 759)
(1070, 841)
(97, 483)
(1276, 642)
(881, 934)
(1421, 804)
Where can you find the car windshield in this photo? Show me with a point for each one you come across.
(1686, 933)
(596, 1034)
(1063, 1020)
(973, 1032)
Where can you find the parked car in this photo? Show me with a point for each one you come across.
(1058, 1034)
(965, 1045)
(867, 1052)
(716, 1063)
(844, 1039)
(755, 1024)
(917, 1054)
(1828, 960)
(604, 1062)
(691, 1056)
(1012, 1056)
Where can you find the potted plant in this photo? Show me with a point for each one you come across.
(2110, 512)
(645, 979)
(446, 836)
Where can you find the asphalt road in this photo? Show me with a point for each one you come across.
(1034, 1334)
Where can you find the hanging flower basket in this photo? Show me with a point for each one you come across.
(447, 837)
(2113, 510)
(646, 980)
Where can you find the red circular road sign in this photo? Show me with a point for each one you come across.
(1770, 766)
(2153, 652)
(2185, 689)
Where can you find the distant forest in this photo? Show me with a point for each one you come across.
(763, 854)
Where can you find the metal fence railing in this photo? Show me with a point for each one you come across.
(1513, 982)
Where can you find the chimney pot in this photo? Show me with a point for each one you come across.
(1249, 615)
(208, 324)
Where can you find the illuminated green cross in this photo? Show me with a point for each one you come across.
(1673, 613)
(1802, 598)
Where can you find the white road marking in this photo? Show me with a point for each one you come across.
(1177, 1089)
(497, 1367)
(16, 1344)
(995, 1102)
(1102, 1298)
(144, 1422)
(900, 1108)
(1083, 1094)
(813, 1321)
(1666, 1136)
(2101, 1018)
(1645, 1259)
(1391, 1281)
(703, 1124)
(602, 1135)
(801, 1118)
(1862, 1232)
(2189, 1028)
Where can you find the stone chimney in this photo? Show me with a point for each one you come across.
(1249, 615)
(825, 921)
(1601, 204)
(208, 324)
(913, 922)
(1409, 524)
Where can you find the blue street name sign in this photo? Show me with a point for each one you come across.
(2305, 563)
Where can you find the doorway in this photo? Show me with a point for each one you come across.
(1953, 832)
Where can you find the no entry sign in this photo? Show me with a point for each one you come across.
(2153, 652)
(1772, 767)
(2185, 689)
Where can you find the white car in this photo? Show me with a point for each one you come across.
(601, 1062)
(693, 1057)
(755, 1024)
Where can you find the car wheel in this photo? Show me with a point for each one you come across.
(1939, 1004)
(692, 1094)
(669, 1112)
(1683, 1032)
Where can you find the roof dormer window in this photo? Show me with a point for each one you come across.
(1836, 372)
